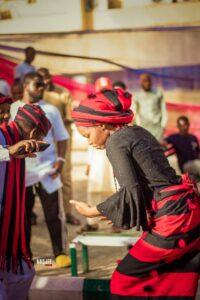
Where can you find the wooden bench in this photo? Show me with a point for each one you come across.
(95, 240)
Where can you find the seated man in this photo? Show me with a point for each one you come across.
(186, 146)
(16, 269)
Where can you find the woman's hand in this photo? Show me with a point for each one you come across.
(57, 167)
(107, 220)
(85, 210)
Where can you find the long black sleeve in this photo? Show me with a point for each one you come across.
(126, 208)
(141, 169)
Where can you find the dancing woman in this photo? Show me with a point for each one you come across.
(164, 263)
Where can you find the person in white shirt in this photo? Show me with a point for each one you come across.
(62, 100)
(150, 108)
(43, 172)
(100, 183)
(26, 66)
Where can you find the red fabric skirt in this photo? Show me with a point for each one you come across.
(164, 264)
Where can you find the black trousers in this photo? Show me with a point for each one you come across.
(52, 205)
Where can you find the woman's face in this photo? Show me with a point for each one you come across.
(96, 135)
(4, 112)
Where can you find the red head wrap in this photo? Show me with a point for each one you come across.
(35, 116)
(107, 106)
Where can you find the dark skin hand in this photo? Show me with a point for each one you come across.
(28, 146)
(58, 165)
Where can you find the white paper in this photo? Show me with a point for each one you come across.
(41, 173)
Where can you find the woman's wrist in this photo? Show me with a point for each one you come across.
(93, 212)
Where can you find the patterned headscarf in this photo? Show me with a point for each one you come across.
(35, 116)
(108, 106)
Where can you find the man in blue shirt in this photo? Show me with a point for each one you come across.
(26, 66)
(186, 146)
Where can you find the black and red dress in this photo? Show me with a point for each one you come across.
(165, 262)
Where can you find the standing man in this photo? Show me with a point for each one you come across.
(16, 268)
(150, 108)
(26, 67)
(62, 100)
(43, 173)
